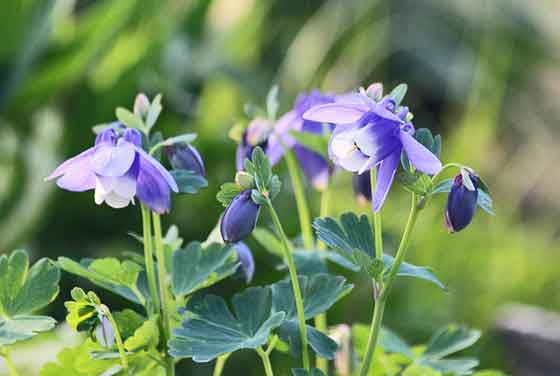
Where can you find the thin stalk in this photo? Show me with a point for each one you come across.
(118, 340)
(295, 284)
(383, 295)
(149, 260)
(266, 361)
(301, 200)
(321, 319)
(9, 362)
(377, 226)
(220, 363)
(163, 289)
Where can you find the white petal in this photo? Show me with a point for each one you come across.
(116, 201)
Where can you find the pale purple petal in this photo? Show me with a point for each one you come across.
(78, 175)
(152, 189)
(108, 135)
(385, 175)
(111, 160)
(336, 113)
(421, 158)
(378, 140)
(146, 159)
(133, 136)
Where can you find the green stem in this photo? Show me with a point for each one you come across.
(321, 319)
(220, 363)
(377, 225)
(295, 284)
(383, 295)
(266, 361)
(301, 201)
(163, 289)
(9, 362)
(118, 339)
(149, 260)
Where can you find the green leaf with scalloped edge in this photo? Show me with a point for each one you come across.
(119, 283)
(196, 267)
(189, 181)
(24, 290)
(319, 293)
(210, 329)
(354, 234)
(147, 335)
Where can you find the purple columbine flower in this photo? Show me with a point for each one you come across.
(316, 168)
(246, 260)
(361, 183)
(240, 218)
(370, 134)
(185, 157)
(462, 201)
(119, 170)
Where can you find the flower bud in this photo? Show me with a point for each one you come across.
(185, 157)
(104, 333)
(244, 180)
(462, 201)
(362, 187)
(240, 218)
(141, 105)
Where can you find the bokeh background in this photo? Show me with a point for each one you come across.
(482, 73)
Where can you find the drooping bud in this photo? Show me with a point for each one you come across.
(141, 105)
(361, 183)
(185, 157)
(240, 218)
(104, 333)
(462, 201)
(246, 260)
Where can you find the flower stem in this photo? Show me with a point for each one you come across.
(382, 299)
(266, 361)
(9, 362)
(220, 363)
(295, 284)
(377, 226)
(163, 289)
(301, 201)
(149, 260)
(321, 319)
(118, 340)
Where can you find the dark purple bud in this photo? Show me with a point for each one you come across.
(246, 259)
(185, 157)
(461, 202)
(104, 333)
(362, 186)
(240, 218)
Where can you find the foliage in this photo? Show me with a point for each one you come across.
(23, 291)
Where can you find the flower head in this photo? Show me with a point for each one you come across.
(372, 134)
(315, 167)
(462, 201)
(246, 260)
(119, 170)
(185, 157)
(240, 218)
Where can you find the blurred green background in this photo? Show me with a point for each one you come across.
(482, 73)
